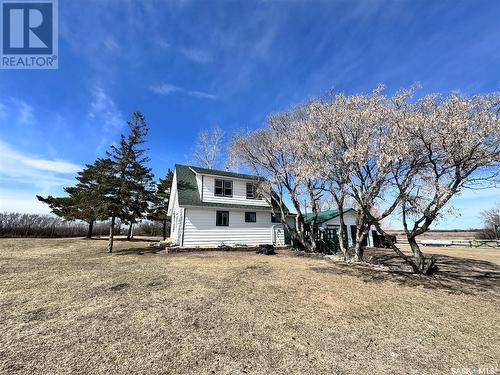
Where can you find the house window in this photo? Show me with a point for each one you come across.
(252, 192)
(222, 218)
(219, 187)
(228, 188)
(275, 219)
(223, 188)
(250, 217)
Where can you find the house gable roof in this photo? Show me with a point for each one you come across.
(189, 195)
(325, 215)
(213, 172)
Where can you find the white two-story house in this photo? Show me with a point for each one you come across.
(209, 208)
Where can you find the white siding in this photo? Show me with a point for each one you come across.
(173, 196)
(239, 192)
(177, 221)
(199, 184)
(349, 219)
(200, 229)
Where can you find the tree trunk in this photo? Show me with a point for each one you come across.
(129, 233)
(422, 265)
(299, 234)
(164, 229)
(342, 234)
(361, 235)
(91, 227)
(109, 248)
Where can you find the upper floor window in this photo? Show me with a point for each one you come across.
(223, 188)
(252, 192)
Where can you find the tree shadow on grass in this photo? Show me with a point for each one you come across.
(137, 251)
(456, 275)
(120, 239)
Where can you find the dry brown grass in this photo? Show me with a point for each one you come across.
(488, 254)
(68, 307)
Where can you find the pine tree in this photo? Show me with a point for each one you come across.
(160, 199)
(133, 180)
(84, 201)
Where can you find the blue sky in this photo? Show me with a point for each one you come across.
(193, 64)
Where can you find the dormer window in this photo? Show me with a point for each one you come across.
(252, 192)
(223, 188)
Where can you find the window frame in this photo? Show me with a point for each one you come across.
(223, 187)
(254, 217)
(221, 194)
(231, 184)
(222, 213)
(253, 192)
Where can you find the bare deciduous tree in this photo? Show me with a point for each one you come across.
(459, 138)
(272, 153)
(491, 222)
(208, 147)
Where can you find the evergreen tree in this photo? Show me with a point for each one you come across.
(84, 200)
(159, 203)
(131, 187)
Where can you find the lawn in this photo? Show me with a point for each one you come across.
(68, 307)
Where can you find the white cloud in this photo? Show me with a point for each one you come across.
(201, 94)
(33, 175)
(24, 111)
(163, 43)
(167, 89)
(52, 165)
(111, 44)
(197, 55)
(104, 108)
(3, 111)
(21, 167)
(14, 201)
(105, 114)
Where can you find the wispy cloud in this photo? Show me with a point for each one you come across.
(196, 55)
(167, 89)
(24, 111)
(31, 174)
(201, 94)
(105, 114)
(111, 44)
(163, 43)
(23, 202)
(3, 111)
(23, 176)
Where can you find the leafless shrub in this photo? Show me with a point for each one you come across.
(13, 224)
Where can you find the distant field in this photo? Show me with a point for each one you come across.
(68, 307)
(479, 253)
(440, 235)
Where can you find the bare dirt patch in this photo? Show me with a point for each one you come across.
(236, 312)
